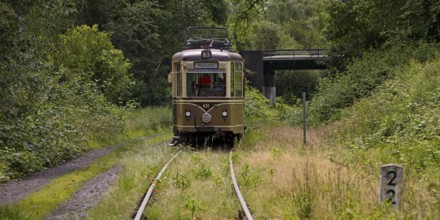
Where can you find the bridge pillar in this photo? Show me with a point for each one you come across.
(253, 63)
(269, 89)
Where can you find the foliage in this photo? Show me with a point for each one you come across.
(202, 171)
(362, 77)
(88, 53)
(50, 109)
(355, 26)
(147, 121)
(149, 33)
(266, 35)
(291, 84)
(289, 24)
(402, 119)
(243, 14)
(256, 105)
(278, 24)
(303, 21)
(398, 124)
(248, 177)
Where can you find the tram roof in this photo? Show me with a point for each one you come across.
(217, 55)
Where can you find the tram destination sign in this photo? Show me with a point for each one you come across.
(206, 65)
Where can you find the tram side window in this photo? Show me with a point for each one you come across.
(205, 84)
(232, 79)
(179, 80)
(236, 80)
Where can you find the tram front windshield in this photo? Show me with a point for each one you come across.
(203, 84)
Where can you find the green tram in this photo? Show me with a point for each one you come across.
(208, 91)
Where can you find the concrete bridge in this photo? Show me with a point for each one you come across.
(263, 63)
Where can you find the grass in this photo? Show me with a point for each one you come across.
(196, 186)
(139, 169)
(41, 203)
(147, 121)
(282, 178)
(334, 176)
(138, 123)
(399, 124)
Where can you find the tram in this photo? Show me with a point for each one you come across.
(207, 89)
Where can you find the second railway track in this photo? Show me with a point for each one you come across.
(243, 210)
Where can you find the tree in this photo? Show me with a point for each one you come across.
(51, 104)
(149, 32)
(356, 26)
(89, 53)
(302, 20)
(243, 14)
(266, 35)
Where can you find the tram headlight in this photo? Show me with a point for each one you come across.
(224, 114)
(188, 114)
(206, 118)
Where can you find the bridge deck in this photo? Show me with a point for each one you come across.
(294, 57)
(263, 64)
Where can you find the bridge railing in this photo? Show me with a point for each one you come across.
(296, 52)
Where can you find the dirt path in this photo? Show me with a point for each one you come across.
(16, 190)
(87, 197)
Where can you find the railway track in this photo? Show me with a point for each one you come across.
(237, 189)
(245, 210)
(144, 203)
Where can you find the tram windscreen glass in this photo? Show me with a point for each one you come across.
(206, 84)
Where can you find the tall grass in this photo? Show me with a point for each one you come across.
(282, 178)
(146, 121)
(196, 186)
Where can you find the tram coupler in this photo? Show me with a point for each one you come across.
(218, 134)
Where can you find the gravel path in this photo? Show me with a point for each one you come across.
(16, 190)
(87, 197)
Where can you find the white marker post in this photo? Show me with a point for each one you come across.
(304, 117)
(391, 184)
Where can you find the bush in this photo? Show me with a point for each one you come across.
(401, 120)
(52, 108)
(148, 120)
(256, 105)
(89, 53)
(361, 78)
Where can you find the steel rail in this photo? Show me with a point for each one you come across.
(237, 190)
(150, 190)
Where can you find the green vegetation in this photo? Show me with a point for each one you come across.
(132, 158)
(196, 185)
(362, 77)
(42, 202)
(399, 123)
(257, 106)
(74, 74)
(49, 108)
(282, 178)
(147, 121)
(72, 70)
(377, 104)
(139, 168)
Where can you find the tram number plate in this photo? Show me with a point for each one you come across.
(205, 105)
